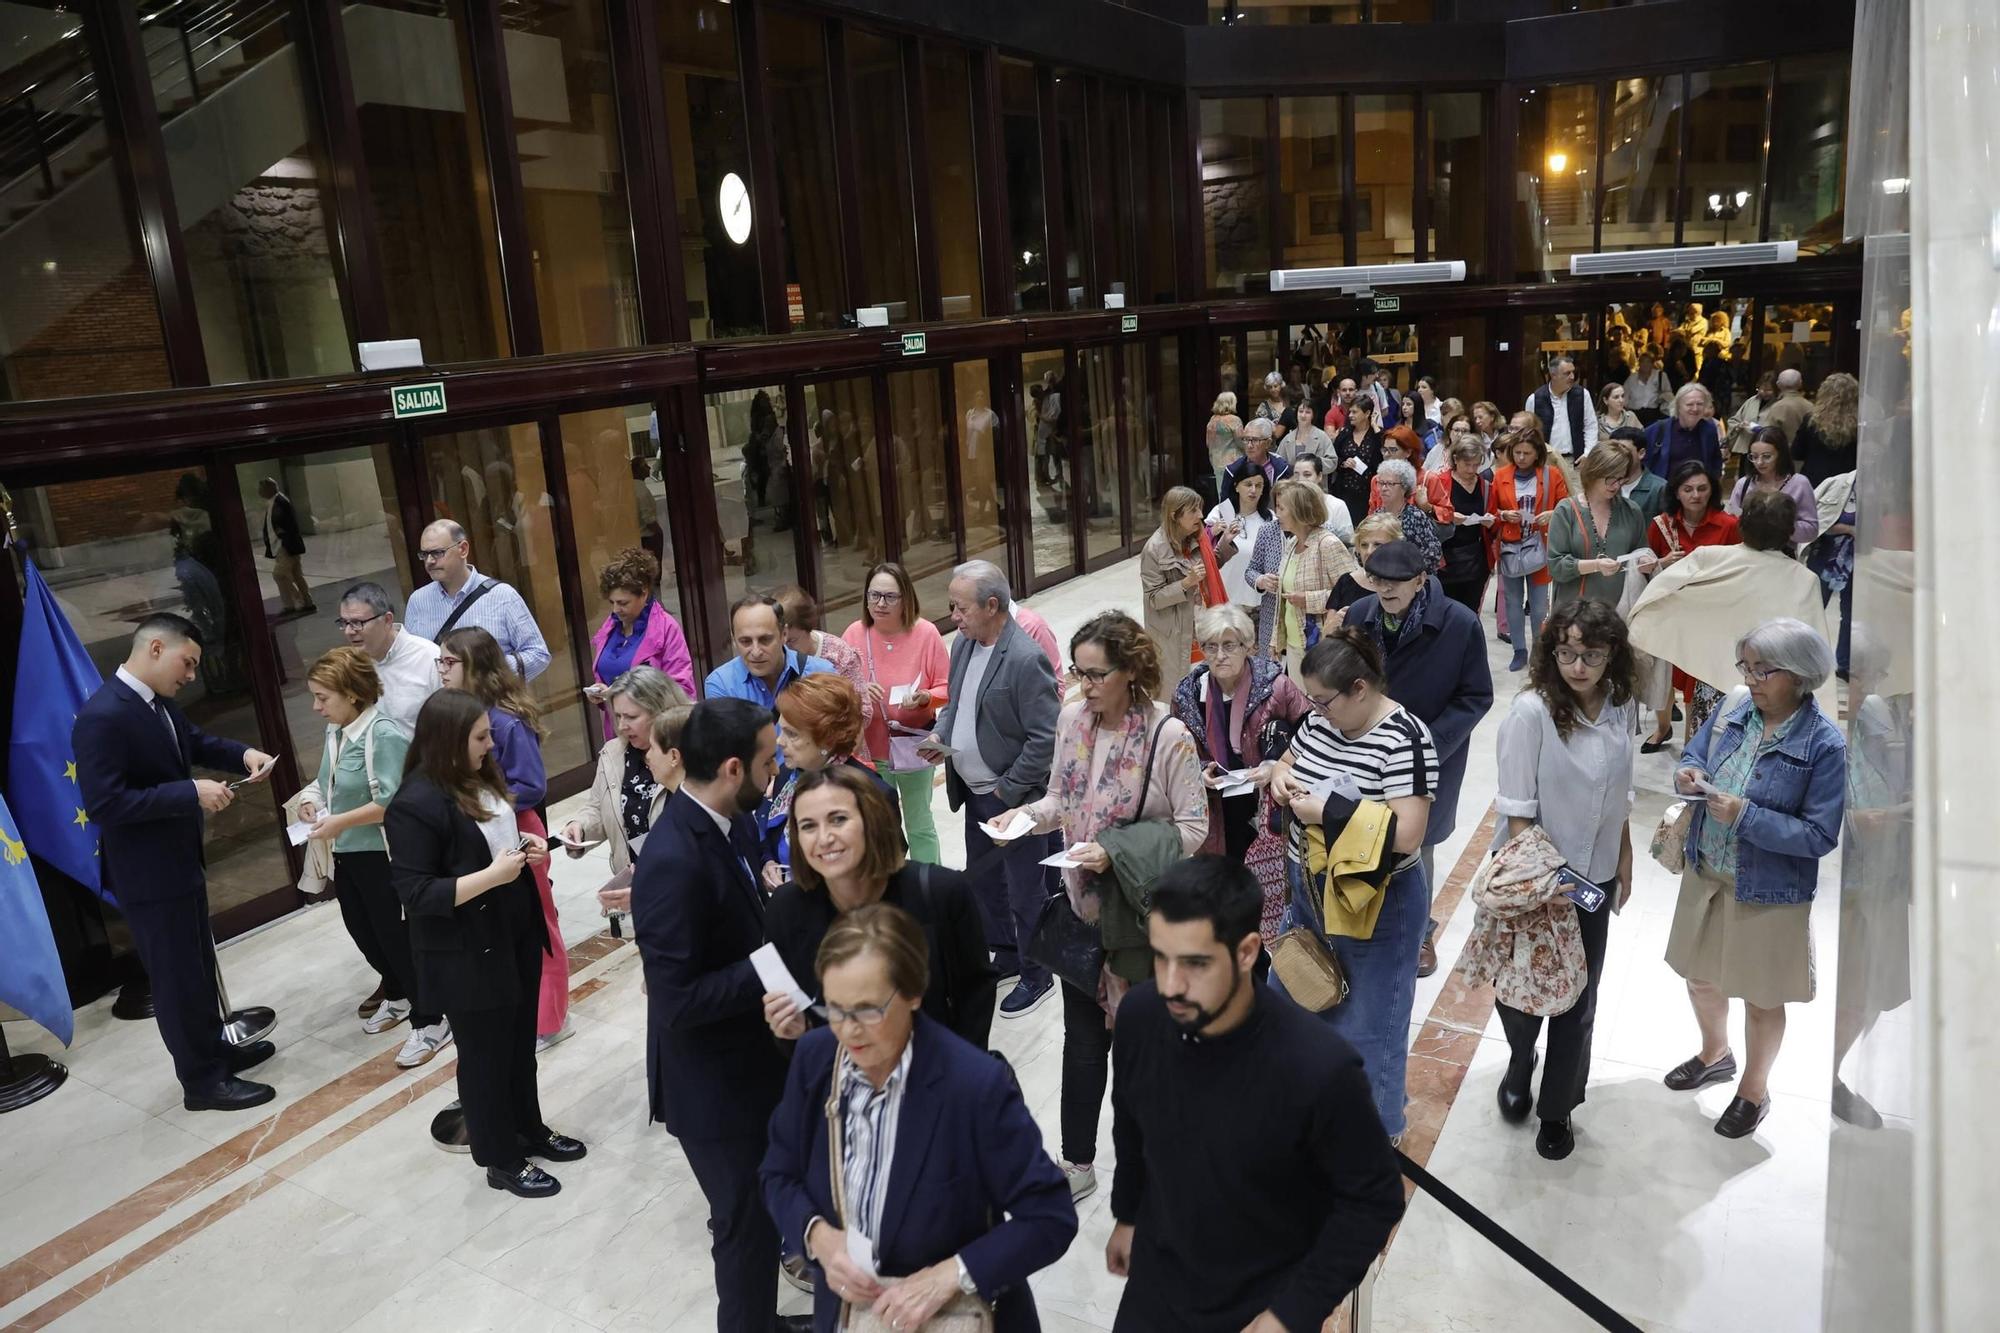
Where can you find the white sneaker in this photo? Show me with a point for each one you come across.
(542, 1043)
(1082, 1180)
(391, 1013)
(423, 1044)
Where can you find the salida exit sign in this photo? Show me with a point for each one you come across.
(418, 400)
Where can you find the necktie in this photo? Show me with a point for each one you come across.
(160, 710)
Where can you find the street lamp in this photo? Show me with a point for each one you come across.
(1726, 208)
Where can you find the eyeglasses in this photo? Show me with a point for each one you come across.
(1221, 646)
(1759, 675)
(432, 557)
(868, 1015)
(446, 662)
(1090, 677)
(1324, 707)
(342, 623)
(1594, 658)
(885, 598)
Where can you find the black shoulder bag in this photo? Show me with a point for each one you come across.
(452, 620)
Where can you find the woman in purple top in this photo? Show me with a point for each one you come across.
(638, 632)
(1770, 469)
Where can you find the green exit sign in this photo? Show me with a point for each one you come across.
(915, 344)
(1388, 305)
(1128, 324)
(418, 400)
(1713, 287)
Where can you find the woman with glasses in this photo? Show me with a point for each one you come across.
(624, 797)
(906, 672)
(638, 632)
(1357, 452)
(1590, 533)
(1565, 755)
(1767, 775)
(903, 1160)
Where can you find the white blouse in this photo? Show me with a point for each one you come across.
(502, 834)
(1236, 569)
(1579, 790)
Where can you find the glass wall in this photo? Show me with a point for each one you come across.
(1453, 348)
(573, 177)
(1097, 474)
(919, 436)
(1309, 175)
(617, 497)
(1544, 337)
(1112, 166)
(981, 468)
(428, 189)
(68, 253)
(247, 165)
(757, 497)
(1235, 203)
(955, 218)
(1385, 164)
(1798, 335)
(847, 503)
(882, 163)
(1021, 144)
(1457, 144)
(1723, 198)
(1075, 189)
(802, 134)
(1160, 200)
(719, 212)
(1139, 410)
(1555, 158)
(1637, 205)
(1048, 463)
(1169, 444)
(1809, 152)
(1260, 12)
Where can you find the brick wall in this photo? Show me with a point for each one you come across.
(87, 511)
(102, 336)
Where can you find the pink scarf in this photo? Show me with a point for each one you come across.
(1090, 808)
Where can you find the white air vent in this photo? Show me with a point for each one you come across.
(1363, 278)
(1684, 261)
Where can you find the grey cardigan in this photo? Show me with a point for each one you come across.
(1017, 716)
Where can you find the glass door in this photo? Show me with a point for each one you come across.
(1098, 455)
(846, 507)
(1052, 538)
(927, 510)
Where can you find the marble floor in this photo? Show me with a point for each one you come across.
(330, 1210)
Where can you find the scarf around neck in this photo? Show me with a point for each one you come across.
(1091, 807)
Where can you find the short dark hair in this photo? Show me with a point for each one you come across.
(1630, 434)
(169, 626)
(1767, 520)
(371, 595)
(1214, 889)
(719, 730)
(755, 599)
(1319, 464)
(1343, 659)
(1365, 366)
(1689, 469)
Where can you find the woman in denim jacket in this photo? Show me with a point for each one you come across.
(1773, 767)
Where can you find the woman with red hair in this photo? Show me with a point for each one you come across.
(819, 727)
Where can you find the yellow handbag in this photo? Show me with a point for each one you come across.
(1354, 870)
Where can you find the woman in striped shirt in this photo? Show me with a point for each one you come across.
(1362, 742)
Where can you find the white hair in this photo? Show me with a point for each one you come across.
(1398, 472)
(1215, 621)
(988, 581)
(1792, 646)
(1693, 389)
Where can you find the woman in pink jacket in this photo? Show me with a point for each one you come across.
(638, 632)
(906, 672)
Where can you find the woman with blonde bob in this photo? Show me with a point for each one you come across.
(1225, 432)
(1173, 566)
(624, 797)
(1314, 561)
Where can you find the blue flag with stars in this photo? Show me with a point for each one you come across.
(52, 683)
(31, 975)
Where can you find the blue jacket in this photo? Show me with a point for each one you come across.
(732, 680)
(970, 1175)
(1659, 445)
(1792, 809)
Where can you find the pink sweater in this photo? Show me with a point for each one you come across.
(915, 657)
(662, 646)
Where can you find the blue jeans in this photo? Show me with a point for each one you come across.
(1381, 974)
(1845, 637)
(1527, 604)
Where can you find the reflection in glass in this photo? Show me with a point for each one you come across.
(491, 482)
(1385, 165)
(882, 165)
(114, 551)
(1454, 350)
(1266, 354)
(1098, 477)
(1157, 176)
(1458, 178)
(1167, 449)
(1639, 161)
(704, 106)
(1546, 336)
(246, 163)
(1309, 175)
(428, 189)
(1079, 267)
(70, 260)
(1235, 206)
(918, 436)
(802, 131)
(617, 498)
(1809, 152)
(572, 177)
(840, 433)
(1725, 166)
(954, 192)
(1798, 335)
(1261, 12)
(1555, 157)
(979, 464)
(1048, 462)
(1112, 164)
(1027, 227)
(1142, 462)
(756, 494)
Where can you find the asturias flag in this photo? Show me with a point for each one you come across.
(31, 975)
(55, 678)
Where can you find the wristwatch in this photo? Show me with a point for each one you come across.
(965, 1282)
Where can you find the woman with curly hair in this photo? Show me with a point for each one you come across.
(819, 727)
(1565, 755)
(1825, 447)
(637, 632)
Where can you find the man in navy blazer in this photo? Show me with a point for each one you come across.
(135, 757)
(713, 1071)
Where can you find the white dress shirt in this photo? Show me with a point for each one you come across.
(409, 675)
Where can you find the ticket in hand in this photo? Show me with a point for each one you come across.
(1020, 826)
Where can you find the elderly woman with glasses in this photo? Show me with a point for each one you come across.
(1767, 775)
(1398, 494)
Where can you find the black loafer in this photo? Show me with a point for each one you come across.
(554, 1148)
(230, 1094)
(1514, 1098)
(527, 1181)
(1691, 1073)
(1742, 1117)
(1555, 1139)
(1655, 746)
(249, 1057)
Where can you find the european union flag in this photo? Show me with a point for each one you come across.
(55, 678)
(31, 975)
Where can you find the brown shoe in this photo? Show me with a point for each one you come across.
(1427, 959)
(367, 1008)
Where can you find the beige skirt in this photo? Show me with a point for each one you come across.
(1755, 952)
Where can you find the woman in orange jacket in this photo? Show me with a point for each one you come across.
(1526, 491)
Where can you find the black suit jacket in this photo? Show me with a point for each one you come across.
(463, 952)
(138, 788)
(285, 527)
(713, 1069)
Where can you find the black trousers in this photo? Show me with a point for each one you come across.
(174, 943)
(496, 1063)
(373, 916)
(1567, 1068)
(1239, 824)
(743, 1241)
(1086, 1069)
(1466, 592)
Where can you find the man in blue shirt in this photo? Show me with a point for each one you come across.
(459, 596)
(763, 665)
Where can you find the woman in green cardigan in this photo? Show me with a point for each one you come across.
(1590, 532)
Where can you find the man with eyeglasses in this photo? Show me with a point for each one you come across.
(459, 595)
(405, 662)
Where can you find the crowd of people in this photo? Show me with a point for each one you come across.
(1210, 831)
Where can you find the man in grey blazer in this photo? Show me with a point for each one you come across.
(998, 734)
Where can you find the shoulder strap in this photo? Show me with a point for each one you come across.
(451, 620)
(1146, 777)
(368, 763)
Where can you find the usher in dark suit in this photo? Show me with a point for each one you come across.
(138, 788)
(713, 1071)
